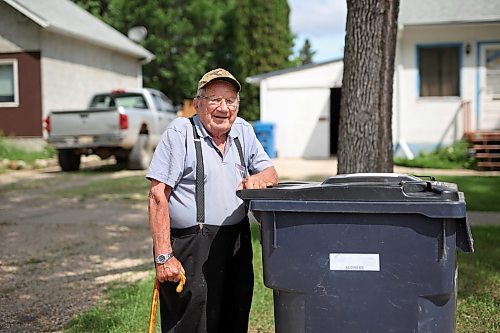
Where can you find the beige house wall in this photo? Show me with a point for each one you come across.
(429, 120)
(73, 70)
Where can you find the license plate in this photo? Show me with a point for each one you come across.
(85, 140)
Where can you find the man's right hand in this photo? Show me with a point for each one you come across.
(170, 271)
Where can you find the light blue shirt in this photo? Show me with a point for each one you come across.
(174, 163)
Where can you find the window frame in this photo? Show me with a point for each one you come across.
(460, 47)
(15, 76)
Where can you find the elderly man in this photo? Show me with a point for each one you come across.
(198, 224)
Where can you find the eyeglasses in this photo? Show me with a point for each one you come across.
(212, 100)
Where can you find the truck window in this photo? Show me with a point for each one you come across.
(127, 100)
(162, 103)
(131, 101)
(102, 101)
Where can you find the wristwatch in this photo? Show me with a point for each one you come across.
(163, 258)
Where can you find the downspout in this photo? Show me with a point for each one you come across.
(263, 90)
(401, 142)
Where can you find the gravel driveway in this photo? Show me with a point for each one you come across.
(57, 255)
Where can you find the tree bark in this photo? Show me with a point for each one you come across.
(365, 134)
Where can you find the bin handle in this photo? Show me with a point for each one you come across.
(434, 189)
(293, 182)
(427, 184)
(431, 178)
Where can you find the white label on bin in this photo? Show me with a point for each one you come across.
(355, 262)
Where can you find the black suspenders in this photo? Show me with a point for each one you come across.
(200, 174)
(200, 177)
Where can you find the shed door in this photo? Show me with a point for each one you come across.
(489, 116)
(335, 96)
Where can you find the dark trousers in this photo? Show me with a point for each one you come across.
(219, 281)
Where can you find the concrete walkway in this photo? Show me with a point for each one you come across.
(484, 218)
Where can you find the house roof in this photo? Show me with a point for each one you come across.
(66, 18)
(256, 79)
(431, 12)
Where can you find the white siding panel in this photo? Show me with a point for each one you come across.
(72, 71)
(433, 122)
(301, 121)
(298, 103)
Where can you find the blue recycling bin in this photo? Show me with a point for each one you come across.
(362, 253)
(265, 134)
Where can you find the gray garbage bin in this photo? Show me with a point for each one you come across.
(362, 253)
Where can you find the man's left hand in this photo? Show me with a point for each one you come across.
(254, 182)
(267, 177)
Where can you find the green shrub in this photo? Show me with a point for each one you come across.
(454, 156)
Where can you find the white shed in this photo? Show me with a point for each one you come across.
(304, 105)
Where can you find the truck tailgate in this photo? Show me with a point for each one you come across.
(85, 122)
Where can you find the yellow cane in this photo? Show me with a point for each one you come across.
(154, 301)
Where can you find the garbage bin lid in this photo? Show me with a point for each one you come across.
(368, 193)
(360, 187)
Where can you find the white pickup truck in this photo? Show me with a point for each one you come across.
(126, 124)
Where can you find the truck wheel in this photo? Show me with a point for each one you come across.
(68, 159)
(141, 154)
(121, 159)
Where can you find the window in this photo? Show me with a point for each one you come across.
(439, 69)
(493, 73)
(8, 83)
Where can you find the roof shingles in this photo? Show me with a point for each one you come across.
(426, 12)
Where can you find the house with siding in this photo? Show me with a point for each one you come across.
(446, 84)
(55, 55)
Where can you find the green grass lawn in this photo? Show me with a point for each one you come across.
(481, 192)
(478, 309)
(132, 189)
(13, 152)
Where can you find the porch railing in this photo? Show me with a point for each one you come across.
(464, 110)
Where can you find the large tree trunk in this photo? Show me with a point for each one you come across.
(365, 137)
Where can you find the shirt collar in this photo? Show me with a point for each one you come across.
(202, 132)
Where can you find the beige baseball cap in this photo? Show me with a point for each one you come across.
(219, 74)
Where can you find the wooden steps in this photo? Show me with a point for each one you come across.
(485, 147)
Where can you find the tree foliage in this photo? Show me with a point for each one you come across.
(181, 34)
(262, 43)
(95, 7)
(306, 53)
(188, 38)
(365, 138)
